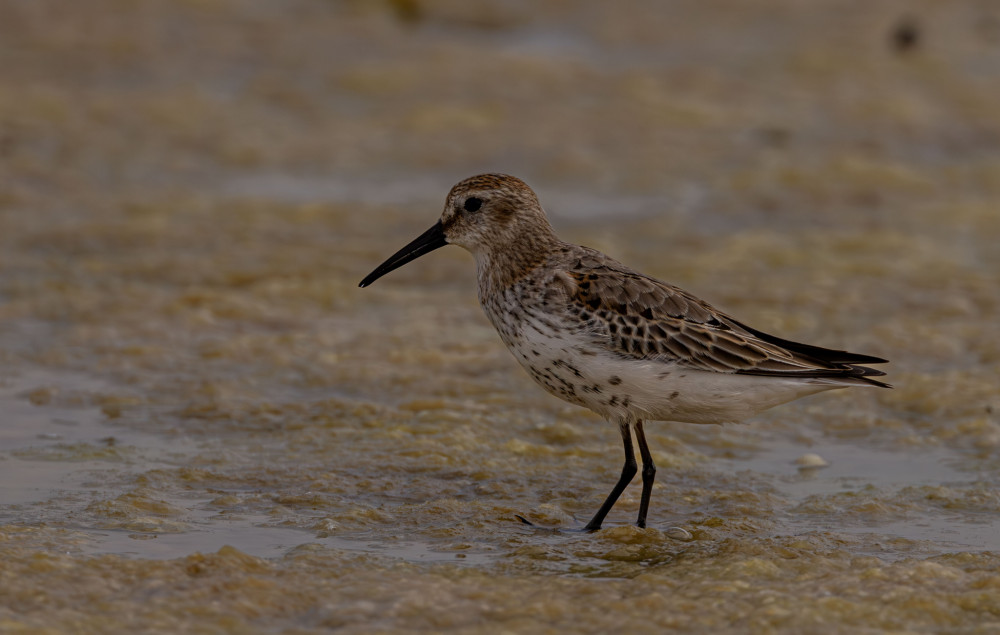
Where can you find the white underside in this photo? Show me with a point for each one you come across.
(657, 390)
(696, 396)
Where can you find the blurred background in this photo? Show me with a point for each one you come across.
(205, 424)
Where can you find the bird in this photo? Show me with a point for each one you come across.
(601, 335)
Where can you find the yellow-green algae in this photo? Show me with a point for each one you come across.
(206, 427)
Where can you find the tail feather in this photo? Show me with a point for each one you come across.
(846, 373)
(833, 364)
(819, 353)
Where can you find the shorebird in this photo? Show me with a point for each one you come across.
(598, 334)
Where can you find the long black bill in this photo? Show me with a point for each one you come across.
(427, 242)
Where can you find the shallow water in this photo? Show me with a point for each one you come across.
(205, 426)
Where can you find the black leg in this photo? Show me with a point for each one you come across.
(628, 471)
(648, 473)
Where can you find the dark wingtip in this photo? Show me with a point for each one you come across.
(864, 373)
(828, 355)
(880, 384)
(855, 358)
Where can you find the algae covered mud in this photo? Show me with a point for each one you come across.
(207, 427)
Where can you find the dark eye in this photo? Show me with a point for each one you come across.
(472, 204)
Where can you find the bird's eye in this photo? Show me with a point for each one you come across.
(472, 204)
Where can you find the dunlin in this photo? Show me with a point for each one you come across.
(603, 336)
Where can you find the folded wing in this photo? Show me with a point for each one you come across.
(636, 316)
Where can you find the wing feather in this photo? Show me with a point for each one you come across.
(636, 316)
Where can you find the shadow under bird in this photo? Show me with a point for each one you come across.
(600, 335)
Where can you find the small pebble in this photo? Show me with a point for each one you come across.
(811, 460)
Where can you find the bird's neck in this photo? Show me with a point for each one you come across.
(501, 267)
